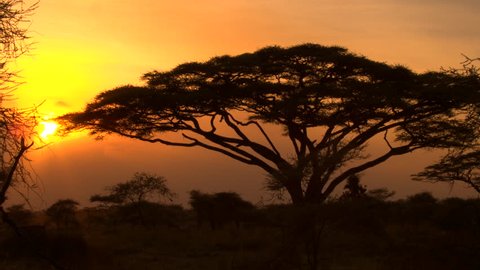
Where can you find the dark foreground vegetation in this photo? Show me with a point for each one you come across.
(351, 232)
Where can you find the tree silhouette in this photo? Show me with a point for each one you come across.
(462, 167)
(460, 163)
(353, 188)
(16, 125)
(62, 213)
(330, 104)
(380, 194)
(138, 189)
(20, 214)
(130, 200)
(420, 207)
(219, 208)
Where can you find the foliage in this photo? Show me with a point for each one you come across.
(139, 188)
(457, 214)
(366, 234)
(20, 214)
(381, 194)
(353, 189)
(420, 207)
(460, 164)
(62, 213)
(148, 214)
(130, 202)
(220, 208)
(422, 198)
(13, 34)
(16, 125)
(329, 102)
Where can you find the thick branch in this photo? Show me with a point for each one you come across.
(264, 133)
(153, 140)
(16, 160)
(227, 142)
(241, 157)
(393, 152)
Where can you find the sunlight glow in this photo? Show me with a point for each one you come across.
(49, 128)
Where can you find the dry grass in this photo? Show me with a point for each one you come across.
(386, 237)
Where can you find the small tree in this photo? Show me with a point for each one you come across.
(141, 187)
(62, 213)
(353, 189)
(131, 201)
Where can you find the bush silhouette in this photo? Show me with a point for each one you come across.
(62, 213)
(20, 215)
(220, 208)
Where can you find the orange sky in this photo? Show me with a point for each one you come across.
(83, 47)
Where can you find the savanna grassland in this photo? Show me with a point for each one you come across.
(419, 232)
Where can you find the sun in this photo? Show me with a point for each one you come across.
(48, 128)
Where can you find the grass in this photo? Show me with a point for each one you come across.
(383, 238)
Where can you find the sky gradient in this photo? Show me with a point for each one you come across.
(84, 47)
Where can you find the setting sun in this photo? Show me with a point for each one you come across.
(48, 128)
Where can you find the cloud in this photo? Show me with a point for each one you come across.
(62, 103)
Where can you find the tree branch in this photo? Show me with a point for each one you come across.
(153, 140)
(393, 152)
(264, 133)
(16, 160)
(242, 156)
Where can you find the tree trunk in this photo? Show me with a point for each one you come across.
(314, 194)
(294, 188)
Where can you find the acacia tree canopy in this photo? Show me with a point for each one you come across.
(136, 190)
(329, 102)
(455, 166)
(62, 213)
(460, 164)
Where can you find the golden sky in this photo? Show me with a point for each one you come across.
(84, 47)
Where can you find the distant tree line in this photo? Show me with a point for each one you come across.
(359, 220)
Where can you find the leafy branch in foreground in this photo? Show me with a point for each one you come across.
(16, 125)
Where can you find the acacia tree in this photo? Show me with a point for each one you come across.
(131, 199)
(62, 213)
(329, 102)
(457, 166)
(138, 189)
(460, 164)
